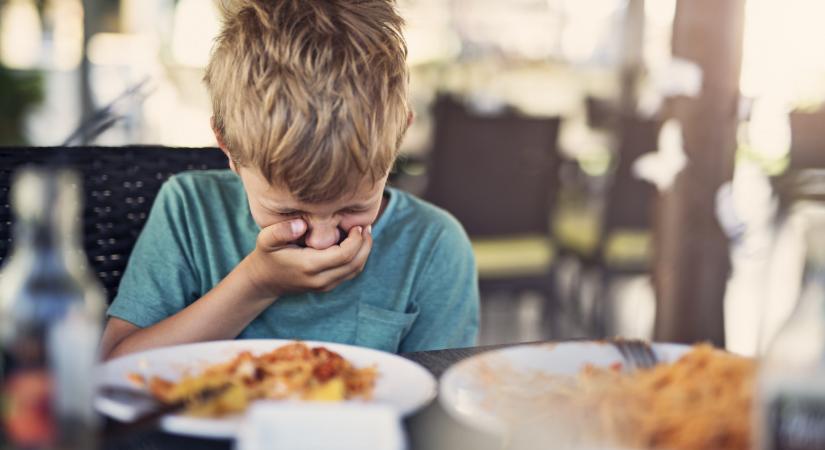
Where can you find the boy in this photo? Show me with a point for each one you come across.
(301, 239)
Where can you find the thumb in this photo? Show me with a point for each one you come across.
(280, 234)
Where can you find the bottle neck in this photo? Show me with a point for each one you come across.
(46, 206)
(47, 242)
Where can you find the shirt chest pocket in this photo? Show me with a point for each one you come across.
(382, 328)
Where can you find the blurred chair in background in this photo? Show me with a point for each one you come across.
(805, 174)
(120, 185)
(621, 243)
(498, 174)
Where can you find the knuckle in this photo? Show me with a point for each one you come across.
(346, 260)
(305, 266)
(317, 284)
(341, 255)
(352, 255)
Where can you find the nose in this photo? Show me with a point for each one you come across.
(322, 235)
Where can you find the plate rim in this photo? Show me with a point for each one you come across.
(227, 428)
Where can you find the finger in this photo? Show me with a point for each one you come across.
(360, 261)
(337, 255)
(280, 234)
(351, 270)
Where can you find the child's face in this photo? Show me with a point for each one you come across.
(327, 223)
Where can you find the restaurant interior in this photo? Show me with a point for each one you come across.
(633, 168)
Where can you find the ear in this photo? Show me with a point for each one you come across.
(222, 144)
(410, 117)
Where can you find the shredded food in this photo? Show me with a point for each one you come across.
(702, 401)
(292, 371)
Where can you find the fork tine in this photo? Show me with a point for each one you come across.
(636, 354)
(646, 354)
(626, 357)
(642, 355)
(651, 355)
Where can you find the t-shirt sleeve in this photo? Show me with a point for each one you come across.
(159, 279)
(446, 296)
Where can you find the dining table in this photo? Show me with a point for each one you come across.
(430, 428)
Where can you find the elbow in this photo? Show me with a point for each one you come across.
(115, 334)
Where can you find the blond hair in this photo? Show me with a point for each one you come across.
(313, 93)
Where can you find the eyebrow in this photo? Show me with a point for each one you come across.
(287, 210)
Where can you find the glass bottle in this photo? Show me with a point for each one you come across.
(51, 312)
(790, 401)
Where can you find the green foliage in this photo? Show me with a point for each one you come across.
(19, 90)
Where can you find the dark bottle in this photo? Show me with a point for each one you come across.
(51, 311)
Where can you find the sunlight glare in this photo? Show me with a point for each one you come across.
(21, 35)
(585, 26)
(196, 26)
(783, 55)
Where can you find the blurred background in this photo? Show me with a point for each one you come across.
(623, 167)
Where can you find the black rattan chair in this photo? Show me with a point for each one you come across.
(498, 174)
(120, 184)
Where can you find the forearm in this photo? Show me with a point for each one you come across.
(222, 313)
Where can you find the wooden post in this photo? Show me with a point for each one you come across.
(691, 257)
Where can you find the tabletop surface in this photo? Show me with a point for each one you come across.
(431, 428)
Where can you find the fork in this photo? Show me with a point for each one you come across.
(636, 353)
(137, 410)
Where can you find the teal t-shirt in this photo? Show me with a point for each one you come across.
(418, 291)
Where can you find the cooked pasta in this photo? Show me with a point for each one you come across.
(293, 371)
(701, 401)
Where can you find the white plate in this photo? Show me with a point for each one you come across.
(401, 384)
(466, 391)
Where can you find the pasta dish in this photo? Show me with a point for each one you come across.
(701, 401)
(292, 371)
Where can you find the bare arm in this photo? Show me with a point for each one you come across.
(220, 314)
(247, 291)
